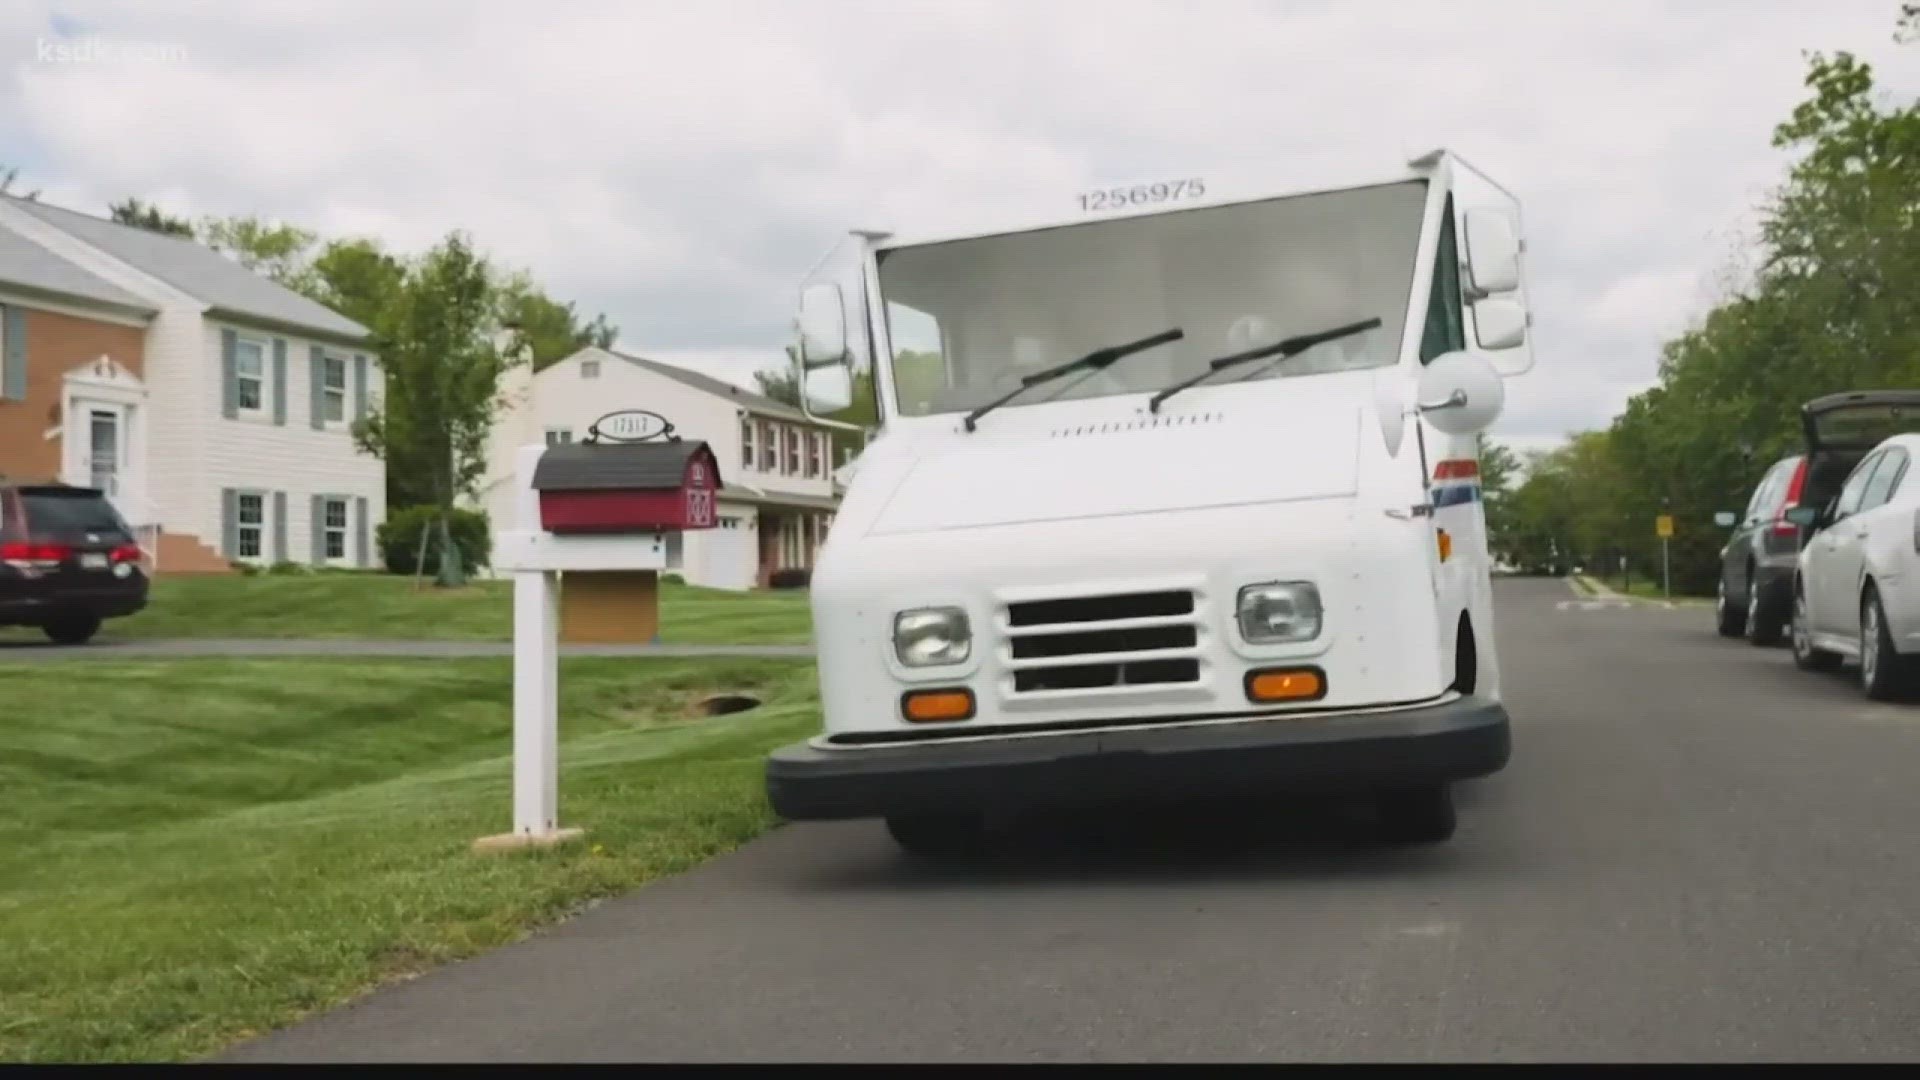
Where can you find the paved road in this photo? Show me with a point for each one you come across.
(119, 650)
(1698, 853)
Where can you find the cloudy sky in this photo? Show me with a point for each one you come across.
(679, 166)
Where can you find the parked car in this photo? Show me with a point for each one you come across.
(68, 561)
(1755, 591)
(1855, 594)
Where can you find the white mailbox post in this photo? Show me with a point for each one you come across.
(628, 500)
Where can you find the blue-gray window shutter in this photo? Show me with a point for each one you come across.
(230, 523)
(360, 532)
(280, 381)
(317, 366)
(279, 526)
(318, 537)
(229, 374)
(359, 387)
(13, 365)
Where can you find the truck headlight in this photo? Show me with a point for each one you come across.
(1279, 611)
(930, 637)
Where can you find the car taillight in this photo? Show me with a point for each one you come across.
(35, 554)
(127, 553)
(1781, 525)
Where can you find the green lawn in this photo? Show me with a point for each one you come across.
(195, 850)
(392, 608)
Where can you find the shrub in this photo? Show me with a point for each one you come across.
(790, 578)
(282, 569)
(399, 539)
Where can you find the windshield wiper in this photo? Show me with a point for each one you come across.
(1290, 347)
(1094, 361)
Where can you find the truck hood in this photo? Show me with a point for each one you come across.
(1141, 465)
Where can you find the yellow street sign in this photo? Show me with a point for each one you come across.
(1663, 526)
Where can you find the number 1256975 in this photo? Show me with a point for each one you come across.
(1160, 191)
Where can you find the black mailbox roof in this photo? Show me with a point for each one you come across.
(650, 466)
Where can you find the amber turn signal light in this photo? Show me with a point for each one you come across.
(1446, 544)
(937, 706)
(1286, 684)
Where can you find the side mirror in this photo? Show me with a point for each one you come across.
(1460, 393)
(1493, 252)
(1724, 519)
(827, 389)
(1499, 323)
(823, 326)
(1804, 516)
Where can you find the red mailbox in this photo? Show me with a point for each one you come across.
(600, 487)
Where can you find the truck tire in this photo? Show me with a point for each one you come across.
(1421, 815)
(939, 837)
(72, 629)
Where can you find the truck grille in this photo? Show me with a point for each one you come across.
(1098, 642)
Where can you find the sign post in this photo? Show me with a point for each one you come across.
(1663, 525)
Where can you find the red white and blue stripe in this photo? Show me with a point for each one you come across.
(1456, 481)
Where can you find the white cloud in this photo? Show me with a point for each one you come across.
(680, 165)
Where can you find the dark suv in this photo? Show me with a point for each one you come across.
(67, 561)
(1755, 593)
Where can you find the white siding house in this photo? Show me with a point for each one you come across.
(777, 496)
(232, 442)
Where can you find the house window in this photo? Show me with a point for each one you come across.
(589, 369)
(816, 441)
(559, 436)
(769, 448)
(333, 389)
(334, 528)
(793, 451)
(746, 443)
(250, 524)
(250, 369)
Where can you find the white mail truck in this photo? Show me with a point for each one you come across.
(1175, 494)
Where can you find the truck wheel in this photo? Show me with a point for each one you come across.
(939, 837)
(72, 630)
(1422, 815)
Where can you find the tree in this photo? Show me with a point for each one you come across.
(141, 215)
(9, 174)
(1833, 304)
(442, 374)
(276, 250)
(360, 280)
(552, 330)
(1498, 467)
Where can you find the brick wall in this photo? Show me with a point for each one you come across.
(56, 343)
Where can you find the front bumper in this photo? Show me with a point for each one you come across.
(1280, 754)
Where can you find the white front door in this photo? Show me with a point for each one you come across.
(105, 448)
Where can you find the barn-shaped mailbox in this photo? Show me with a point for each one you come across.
(602, 487)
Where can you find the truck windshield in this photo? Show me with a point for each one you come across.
(969, 319)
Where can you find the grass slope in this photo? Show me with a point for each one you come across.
(383, 607)
(199, 850)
